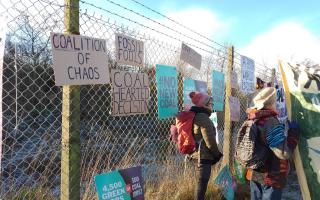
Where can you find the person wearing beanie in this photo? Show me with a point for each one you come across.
(268, 181)
(207, 153)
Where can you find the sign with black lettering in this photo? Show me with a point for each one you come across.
(190, 56)
(129, 51)
(124, 184)
(167, 91)
(130, 93)
(79, 60)
(234, 108)
(247, 75)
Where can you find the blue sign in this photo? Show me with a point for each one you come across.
(124, 184)
(190, 85)
(167, 91)
(218, 90)
(225, 182)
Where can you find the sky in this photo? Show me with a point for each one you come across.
(263, 30)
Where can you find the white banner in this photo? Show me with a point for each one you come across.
(79, 60)
(247, 75)
(190, 56)
(129, 51)
(130, 93)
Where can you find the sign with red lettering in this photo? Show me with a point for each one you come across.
(79, 60)
(130, 93)
(129, 51)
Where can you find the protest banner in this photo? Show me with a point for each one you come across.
(247, 75)
(130, 93)
(167, 91)
(190, 56)
(234, 109)
(129, 51)
(218, 90)
(190, 85)
(124, 184)
(79, 60)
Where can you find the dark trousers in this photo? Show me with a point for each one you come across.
(264, 192)
(203, 176)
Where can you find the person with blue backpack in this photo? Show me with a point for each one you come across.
(264, 147)
(206, 153)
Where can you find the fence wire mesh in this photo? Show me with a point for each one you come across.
(32, 104)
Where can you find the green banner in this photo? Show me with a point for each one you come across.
(302, 89)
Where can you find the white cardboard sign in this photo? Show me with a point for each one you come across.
(129, 51)
(79, 60)
(130, 93)
(247, 75)
(190, 56)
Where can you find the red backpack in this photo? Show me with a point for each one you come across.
(182, 132)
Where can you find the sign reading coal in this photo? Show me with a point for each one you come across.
(190, 56)
(130, 93)
(79, 60)
(129, 51)
(124, 184)
(167, 91)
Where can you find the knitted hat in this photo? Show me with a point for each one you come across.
(199, 99)
(267, 96)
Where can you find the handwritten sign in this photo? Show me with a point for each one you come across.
(129, 51)
(190, 56)
(234, 80)
(130, 93)
(218, 90)
(247, 75)
(234, 109)
(190, 85)
(79, 60)
(167, 91)
(124, 184)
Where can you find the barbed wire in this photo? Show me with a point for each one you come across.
(193, 31)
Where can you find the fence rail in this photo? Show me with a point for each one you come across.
(32, 104)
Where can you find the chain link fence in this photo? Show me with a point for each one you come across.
(32, 104)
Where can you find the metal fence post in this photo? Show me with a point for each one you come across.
(227, 117)
(70, 149)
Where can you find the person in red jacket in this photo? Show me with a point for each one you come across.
(268, 181)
